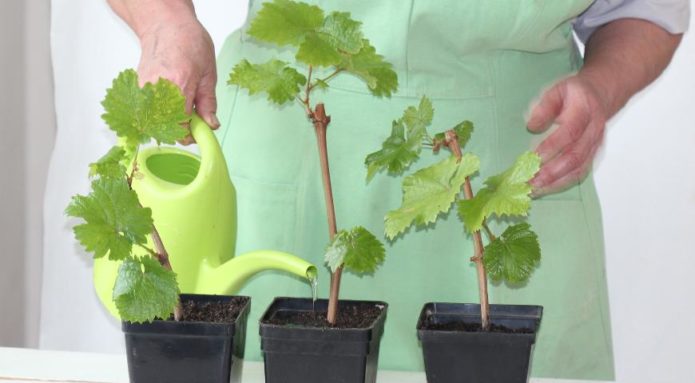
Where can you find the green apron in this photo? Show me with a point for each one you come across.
(478, 60)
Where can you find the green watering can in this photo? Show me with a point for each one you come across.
(193, 206)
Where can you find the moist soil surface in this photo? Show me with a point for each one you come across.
(475, 327)
(212, 312)
(358, 315)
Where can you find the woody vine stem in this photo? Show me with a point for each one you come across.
(451, 140)
(320, 121)
(161, 253)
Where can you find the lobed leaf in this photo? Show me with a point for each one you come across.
(430, 192)
(140, 114)
(418, 119)
(145, 290)
(358, 250)
(514, 255)
(110, 165)
(280, 82)
(285, 22)
(114, 219)
(504, 194)
(400, 150)
(373, 69)
(396, 154)
(339, 35)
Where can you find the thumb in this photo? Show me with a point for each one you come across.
(544, 112)
(206, 102)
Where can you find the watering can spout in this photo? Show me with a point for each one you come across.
(232, 275)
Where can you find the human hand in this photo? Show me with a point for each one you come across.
(182, 51)
(580, 113)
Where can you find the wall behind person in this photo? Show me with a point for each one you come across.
(28, 128)
(12, 168)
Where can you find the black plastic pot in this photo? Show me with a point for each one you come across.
(185, 352)
(477, 357)
(319, 355)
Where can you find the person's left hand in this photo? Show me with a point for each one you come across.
(577, 108)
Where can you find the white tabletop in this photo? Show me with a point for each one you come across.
(28, 365)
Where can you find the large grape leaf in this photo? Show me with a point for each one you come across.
(339, 35)
(429, 192)
(285, 22)
(514, 255)
(140, 114)
(504, 194)
(372, 69)
(280, 82)
(110, 165)
(144, 290)
(357, 249)
(114, 219)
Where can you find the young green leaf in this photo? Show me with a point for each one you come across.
(358, 250)
(514, 255)
(339, 35)
(463, 132)
(110, 165)
(396, 154)
(285, 22)
(140, 114)
(114, 219)
(418, 119)
(504, 194)
(401, 149)
(372, 69)
(274, 77)
(144, 290)
(429, 192)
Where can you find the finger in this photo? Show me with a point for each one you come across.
(573, 122)
(546, 110)
(205, 100)
(572, 158)
(565, 182)
(187, 140)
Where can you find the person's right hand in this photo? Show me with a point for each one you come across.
(182, 51)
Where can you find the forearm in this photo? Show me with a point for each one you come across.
(623, 57)
(145, 15)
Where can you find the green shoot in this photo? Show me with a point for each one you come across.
(335, 43)
(432, 191)
(114, 221)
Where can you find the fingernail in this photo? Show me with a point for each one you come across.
(214, 122)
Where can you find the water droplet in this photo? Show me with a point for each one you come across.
(314, 282)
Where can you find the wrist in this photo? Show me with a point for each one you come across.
(148, 17)
(610, 94)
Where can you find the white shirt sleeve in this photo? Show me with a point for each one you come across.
(672, 15)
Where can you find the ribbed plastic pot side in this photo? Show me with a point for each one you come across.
(453, 356)
(296, 354)
(184, 352)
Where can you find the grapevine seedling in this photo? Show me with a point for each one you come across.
(114, 221)
(333, 44)
(432, 191)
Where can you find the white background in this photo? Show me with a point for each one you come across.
(645, 176)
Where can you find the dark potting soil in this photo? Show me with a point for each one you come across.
(475, 327)
(360, 315)
(212, 312)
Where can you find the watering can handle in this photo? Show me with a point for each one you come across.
(211, 157)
